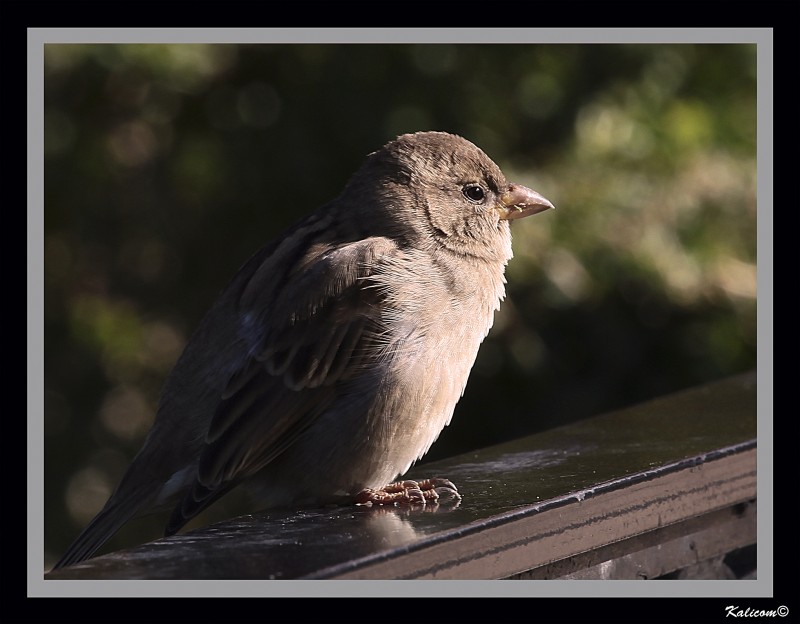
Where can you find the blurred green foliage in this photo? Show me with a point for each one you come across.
(167, 166)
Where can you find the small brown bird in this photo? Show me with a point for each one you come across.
(337, 354)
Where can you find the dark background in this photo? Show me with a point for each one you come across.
(166, 167)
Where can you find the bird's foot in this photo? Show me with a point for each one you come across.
(435, 490)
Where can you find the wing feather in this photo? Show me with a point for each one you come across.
(311, 332)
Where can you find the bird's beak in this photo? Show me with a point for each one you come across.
(520, 201)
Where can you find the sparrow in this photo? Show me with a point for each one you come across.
(336, 355)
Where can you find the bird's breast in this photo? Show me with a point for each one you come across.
(431, 326)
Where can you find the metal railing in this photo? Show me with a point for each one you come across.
(665, 489)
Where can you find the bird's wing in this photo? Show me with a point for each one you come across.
(312, 316)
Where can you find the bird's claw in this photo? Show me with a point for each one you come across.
(409, 492)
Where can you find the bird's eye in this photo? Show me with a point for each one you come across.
(474, 193)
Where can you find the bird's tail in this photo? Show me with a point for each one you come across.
(117, 511)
